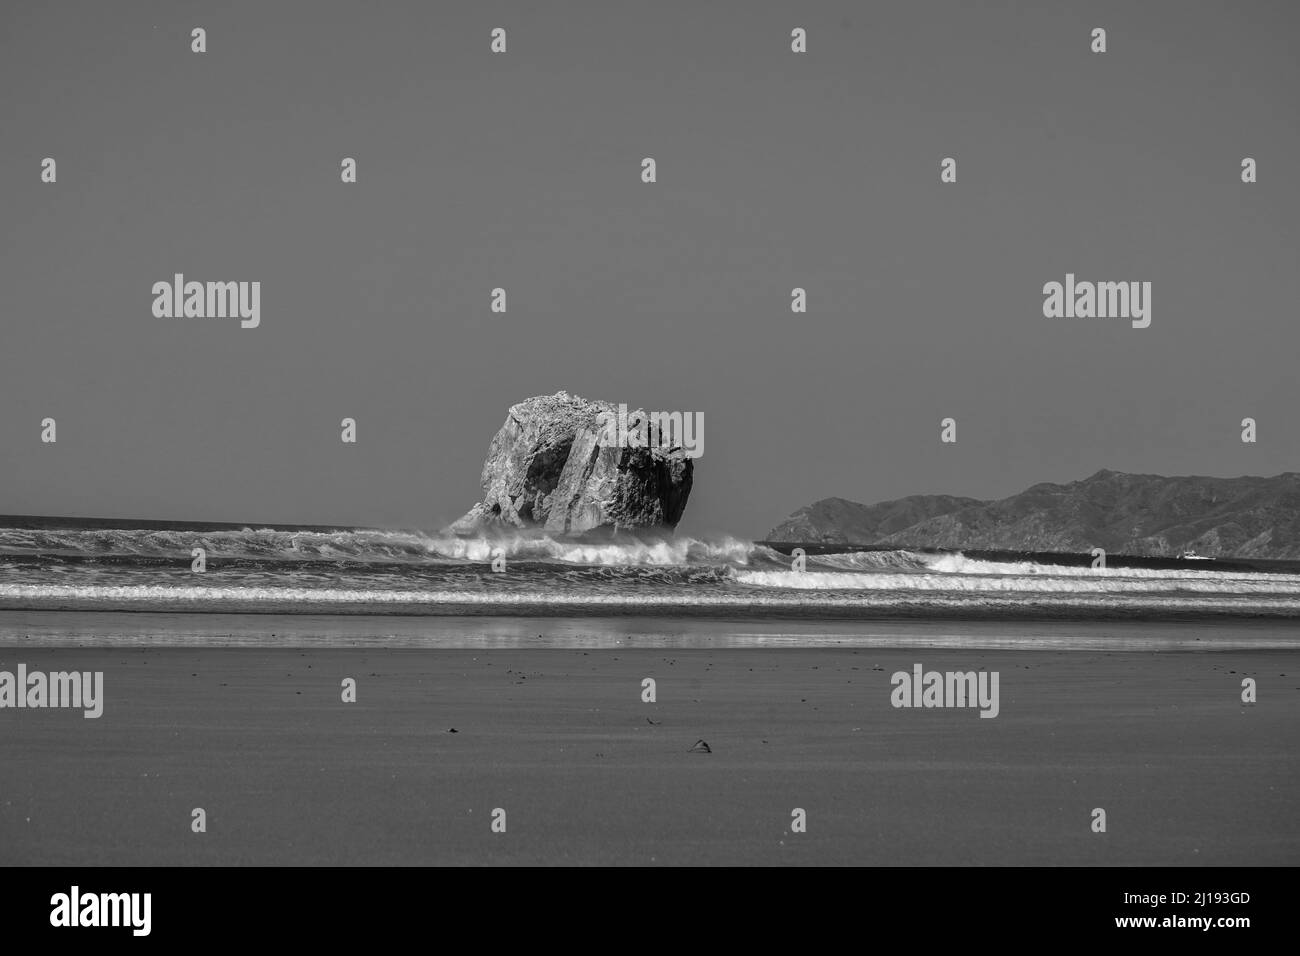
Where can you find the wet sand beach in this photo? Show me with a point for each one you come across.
(588, 773)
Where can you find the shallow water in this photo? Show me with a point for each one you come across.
(99, 629)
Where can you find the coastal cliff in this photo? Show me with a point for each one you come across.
(1244, 517)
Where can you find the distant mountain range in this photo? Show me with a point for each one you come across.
(1124, 514)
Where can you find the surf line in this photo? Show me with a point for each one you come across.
(78, 690)
(208, 300)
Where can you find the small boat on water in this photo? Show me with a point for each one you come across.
(1193, 556)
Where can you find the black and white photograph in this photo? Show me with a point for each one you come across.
(703, 435)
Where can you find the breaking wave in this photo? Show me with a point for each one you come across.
(415, 572)
(372, 546)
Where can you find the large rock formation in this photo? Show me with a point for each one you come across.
(546, 468)
(1125, 514)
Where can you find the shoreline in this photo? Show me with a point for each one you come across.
(859, 608)
(82, 628)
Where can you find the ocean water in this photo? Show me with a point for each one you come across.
(90, 564)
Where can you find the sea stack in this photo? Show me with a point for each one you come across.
(551, 466)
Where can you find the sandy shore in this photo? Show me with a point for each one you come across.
(588, 773)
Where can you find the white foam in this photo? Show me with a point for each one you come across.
(1109, 582)
(157, 597)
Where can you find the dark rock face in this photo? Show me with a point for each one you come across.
(1125, 514)
(546, 468)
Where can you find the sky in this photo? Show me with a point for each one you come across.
(522, 170)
